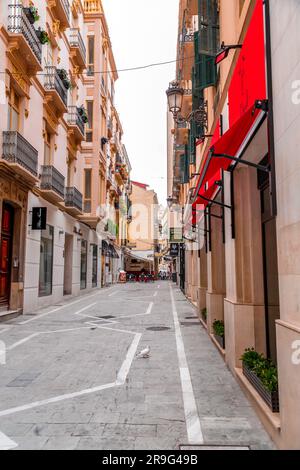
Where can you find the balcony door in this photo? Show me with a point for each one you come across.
(5, 253)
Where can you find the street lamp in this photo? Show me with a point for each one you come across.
(175, 96)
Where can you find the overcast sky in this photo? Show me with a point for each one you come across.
(143, 32)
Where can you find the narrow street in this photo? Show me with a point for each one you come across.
(72, 379)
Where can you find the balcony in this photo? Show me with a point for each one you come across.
(19, 156)
(75, 123)
(92, 7)
(109, 127)
(73, 201)
(61, 11)
(56, 92)
(22, 39)
(78, 49)
(52, 184)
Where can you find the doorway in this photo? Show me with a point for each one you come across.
(5, 254)
(68, 264)
(270, 265)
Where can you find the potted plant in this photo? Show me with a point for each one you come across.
(83, 114)
(31, 14)
(262, 374)
(204, 314)
(43, 36)
(219, 332)
(63, 75)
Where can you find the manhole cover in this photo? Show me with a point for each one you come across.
(158, 328)
(106, 317)
(189, 323)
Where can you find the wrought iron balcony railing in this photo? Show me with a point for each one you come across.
(54, 82)
(73, 198)
(53, 180)
(16, 149)
(18, 23)
(75, 40)
(66, 7)
(74, 118)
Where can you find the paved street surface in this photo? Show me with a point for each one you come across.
(72, 379)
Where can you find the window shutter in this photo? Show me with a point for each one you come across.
(207, 43)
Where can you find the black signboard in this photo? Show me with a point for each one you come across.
(174, 249)
(39, 218)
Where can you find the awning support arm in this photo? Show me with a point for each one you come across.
(212, 201)
(245, 162)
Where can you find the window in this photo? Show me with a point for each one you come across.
(83, 264)
(13, 111)
(47, 148)
(90, 114)
(71, 171)
(46, 261)
(91, 55)
(94, 265)
(87, 191)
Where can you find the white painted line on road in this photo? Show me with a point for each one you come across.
(22, 341)
(149, 310)
(193, 424)
(125, 368)
(56, 399)
(155, 294)
(37, 317)
(6, 443)
(114, 293)
(5, 329)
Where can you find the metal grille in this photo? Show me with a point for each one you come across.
(74, 118)
(18, 24)
(52, 179)
(75, 40)
(54, 82)
(66, 7)
(73, 198)
(16, 149)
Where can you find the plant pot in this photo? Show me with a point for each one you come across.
(270, 398)
(220, 340)
(29, 15)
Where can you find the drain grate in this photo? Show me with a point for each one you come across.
(189, 323)
(158, 328)
(106, 317)
(191, 318)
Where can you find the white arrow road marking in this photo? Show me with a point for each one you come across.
(6, 443)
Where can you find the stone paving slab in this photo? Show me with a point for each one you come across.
(146, 411)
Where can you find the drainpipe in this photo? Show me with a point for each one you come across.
(270, 104)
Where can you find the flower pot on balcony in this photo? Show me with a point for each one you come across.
(270, 397)
(31, 14)
(42, 36)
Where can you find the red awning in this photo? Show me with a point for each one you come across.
(230, 144)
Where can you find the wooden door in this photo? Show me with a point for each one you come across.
(5, 252)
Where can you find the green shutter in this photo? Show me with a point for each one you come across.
(207, 43)
(192, 145)
(184, 168)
